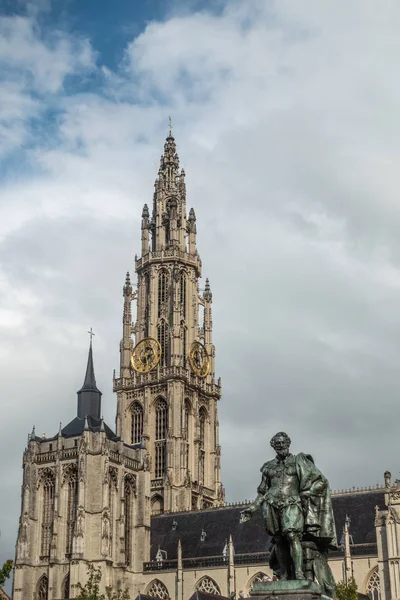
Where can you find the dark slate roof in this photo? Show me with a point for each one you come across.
(77, 425)
(218, 524)
(248, 538)
(360, 507)
(199, 595)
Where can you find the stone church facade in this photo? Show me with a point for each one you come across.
(146, 503)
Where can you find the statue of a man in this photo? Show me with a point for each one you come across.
(295, 502)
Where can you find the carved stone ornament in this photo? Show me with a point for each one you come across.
(113, 476)
(45, 475)
(80, 522)
(68, 471)
(147, 462)
(81, 469)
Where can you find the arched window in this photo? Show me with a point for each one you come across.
(182, 293)
(161, 437)
(157, 589)
(47, 513)
(257, 577)
(373, 587)
(129, 489)
(157, 505)
(72, 505)
(208, 585)
(186, 431)
(202, 437)
(163, 338)
(43, 588)
(66, 587)
(137, 423)
(163, 280)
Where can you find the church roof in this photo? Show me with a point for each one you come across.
(77, 426)
(204, 533)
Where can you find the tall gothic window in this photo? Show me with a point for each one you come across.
(47, 513)
(186, 433)
(161, 437)
(184, 343)
(182, 293)
(158, 590)
(137, 423)
(72, 505)
(162, 291)
(162, 334)
(202, 430)
(43, 588)
(129, 491)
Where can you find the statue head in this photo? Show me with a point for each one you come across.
(281, 443)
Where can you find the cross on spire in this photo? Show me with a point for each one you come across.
(90, 332)
(170, 126)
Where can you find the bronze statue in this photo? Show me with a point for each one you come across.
(295, 502)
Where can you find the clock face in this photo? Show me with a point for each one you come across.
(199, 360)
(146, 355)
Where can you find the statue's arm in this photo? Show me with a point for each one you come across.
(254, 506)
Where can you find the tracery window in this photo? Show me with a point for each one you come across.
(128, 531)
(163, 280)
(162, 335)
(47, 513)
(373, 587)
(182, 293)
(202, 427)
(66, 587)
(258, 577)
(43, 588)
(137, 423)
(161, 437)
(72, 505)
(158, 590)
(208, 585)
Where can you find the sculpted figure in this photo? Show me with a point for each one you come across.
(295, 502)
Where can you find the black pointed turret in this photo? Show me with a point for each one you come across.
(89, 396)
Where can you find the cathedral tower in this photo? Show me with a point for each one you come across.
(167, 396)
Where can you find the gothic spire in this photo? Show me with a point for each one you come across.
(89, 396)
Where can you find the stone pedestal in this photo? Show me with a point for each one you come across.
(299, 589)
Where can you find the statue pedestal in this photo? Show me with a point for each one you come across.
(298, 589)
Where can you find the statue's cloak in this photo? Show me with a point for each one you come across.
(319, 522)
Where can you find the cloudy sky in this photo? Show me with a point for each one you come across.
(286, 115)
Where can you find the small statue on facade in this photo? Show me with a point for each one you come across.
(295, 502)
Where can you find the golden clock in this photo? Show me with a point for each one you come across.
(199, 360)
(146, 355)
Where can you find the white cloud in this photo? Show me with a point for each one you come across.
(287, 124)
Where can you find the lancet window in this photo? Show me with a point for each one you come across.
(137, 423)
(182, 293)
(202, 432)
(147, 304)
(163, 280)
(129, 491)
(43, 588)
(186, 431)
(162, 334)
(72, 504)
(161, 437)
(47, 513)
(184, 343)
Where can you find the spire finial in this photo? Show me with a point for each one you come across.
(90, 332)
(170, 127)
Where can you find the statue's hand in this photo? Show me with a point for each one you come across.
(246, 514)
